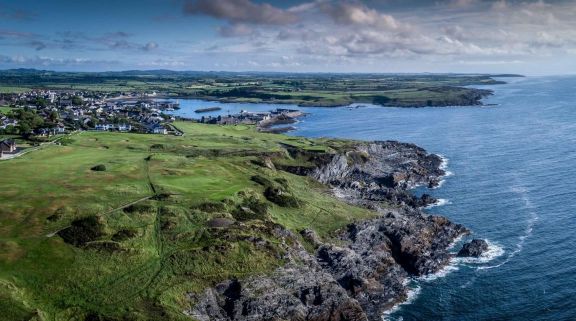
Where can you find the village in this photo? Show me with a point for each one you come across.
(65, 111)
(41, 115)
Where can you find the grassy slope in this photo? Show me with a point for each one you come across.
(174, 251)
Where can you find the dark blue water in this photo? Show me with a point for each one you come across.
(514, 169)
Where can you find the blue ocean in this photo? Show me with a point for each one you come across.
(512, 166)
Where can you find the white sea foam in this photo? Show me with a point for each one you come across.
(494, 251)
(443, 166)
(532, 219)
(439, 202)
(449, 268)
(455, 242)
(412, 294)
(439, 184)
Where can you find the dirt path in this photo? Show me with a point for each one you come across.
(108, 212)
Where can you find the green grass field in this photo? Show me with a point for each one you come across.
(154, 204)
(5, 109)
(13, 89)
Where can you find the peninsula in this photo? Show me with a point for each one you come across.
(318, 90)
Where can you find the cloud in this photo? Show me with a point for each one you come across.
(11, 34)
(50, 61)
(38, 45)
(118, 40)
(500, 5)
(150, 46)
(15, 14)
(316, 33)
(360, 15)
(236, 30)
(241, 11)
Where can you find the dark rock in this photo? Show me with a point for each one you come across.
(475, 248)
(297, 293)
(219, 222)
(311, 237)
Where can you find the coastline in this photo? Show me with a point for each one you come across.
(473, 97)
(367, 273)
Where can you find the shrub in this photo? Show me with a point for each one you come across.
(99, 168)
(106, 246)
(251, 208)
(82, 231)
(137, 208)
(66, 141)
(282, 181)
(280, 198)
(261, 180)
(212, 207)
(123, 235)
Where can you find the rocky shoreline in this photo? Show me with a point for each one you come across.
(362, 271)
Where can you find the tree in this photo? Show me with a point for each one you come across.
(54, 116)
(77, 101)
(28, 120)
(41, 102)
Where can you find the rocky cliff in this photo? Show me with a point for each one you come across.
(363, 270)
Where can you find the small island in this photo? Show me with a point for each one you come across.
(207, 110)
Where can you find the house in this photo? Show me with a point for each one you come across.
(7, 146)
(124, 127)
(158, 129)
(103, 127)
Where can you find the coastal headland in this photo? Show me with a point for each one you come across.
(222, 223)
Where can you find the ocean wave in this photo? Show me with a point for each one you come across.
(452, 266)
(494, 251)
(443, 166)
(412, 294)
(532, 219)
(439, 202)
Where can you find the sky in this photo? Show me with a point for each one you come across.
(531, 37)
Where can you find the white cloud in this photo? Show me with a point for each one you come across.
(241, 11)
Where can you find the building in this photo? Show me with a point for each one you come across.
(158, 129)
(103, 127)
(7, 146)
(124, 127)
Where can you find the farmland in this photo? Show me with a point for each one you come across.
(328, 90)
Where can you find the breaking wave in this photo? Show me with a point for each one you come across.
(530, 222)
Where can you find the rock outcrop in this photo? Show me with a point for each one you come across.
(382, 173)
(364, 272)
(474, 248)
